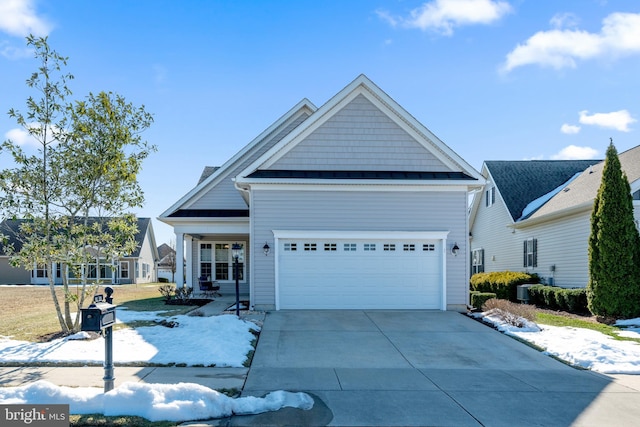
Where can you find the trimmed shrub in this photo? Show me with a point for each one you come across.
(503, 283)
(478, 299)
(555, 298)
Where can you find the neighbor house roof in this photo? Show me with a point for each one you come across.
(207, 172)
(521, 182)
(10, 228)
(582, 191)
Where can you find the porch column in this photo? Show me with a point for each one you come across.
(189, 273)
(179, 259)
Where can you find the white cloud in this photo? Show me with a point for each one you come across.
(564, 20)
(573, 152)
(558, 48)
(19, 18)
(21, 137)
(618, 120)
(442, 16)
(12, 52)
(569, 129)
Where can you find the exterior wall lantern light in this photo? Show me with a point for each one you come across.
(455, 249)
(266, 249)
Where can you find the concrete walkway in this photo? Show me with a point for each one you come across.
(416, 368)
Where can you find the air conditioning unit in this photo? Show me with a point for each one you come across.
(522, 293)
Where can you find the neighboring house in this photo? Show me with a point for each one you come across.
(535, 216)
(351, 205)
(138, 267)
(167, 262)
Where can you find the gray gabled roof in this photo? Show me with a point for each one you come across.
(10, 228)
(521, 182)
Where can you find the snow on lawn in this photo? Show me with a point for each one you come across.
(582, 347)
(221, 340)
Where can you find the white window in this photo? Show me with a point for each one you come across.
(477, 261)
(531, 253)
(330, 247)
(145, 270)
(217, 262)
(369, 246)
(409, 247)
(389, 247)
(124, 270)
(490, 196)
(350, 247)
(40, 271)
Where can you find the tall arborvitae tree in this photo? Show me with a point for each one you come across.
(614, 246)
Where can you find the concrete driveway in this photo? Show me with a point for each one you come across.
(421, 368)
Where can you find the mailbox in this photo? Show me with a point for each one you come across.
(98, 316)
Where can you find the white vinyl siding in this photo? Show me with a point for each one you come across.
(354, 210)
(492, 231)
(360, 137)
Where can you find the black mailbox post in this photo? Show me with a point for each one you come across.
(100, 317)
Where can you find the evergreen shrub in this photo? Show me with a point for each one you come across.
(555, 298)
(479, 298)
(503, 283)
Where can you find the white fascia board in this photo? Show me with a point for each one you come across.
(349, 185)
(357, 234)
(362, 85)
(222, 172)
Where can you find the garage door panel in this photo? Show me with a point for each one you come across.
(353, 279)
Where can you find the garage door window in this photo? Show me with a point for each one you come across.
(369, 246)
(429, 247)
(290, 246)
(390, 247)
(409, 247)
(310, 247)
(330, 247)
(350, 247)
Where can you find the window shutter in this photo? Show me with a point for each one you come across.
(535, 252)
(486, 198)
(493, 195)
(482, 260)
(524, 262)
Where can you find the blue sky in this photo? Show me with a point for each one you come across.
(494, 79)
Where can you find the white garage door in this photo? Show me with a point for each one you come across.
(360, 273)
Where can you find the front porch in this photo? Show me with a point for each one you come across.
(210, 265)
